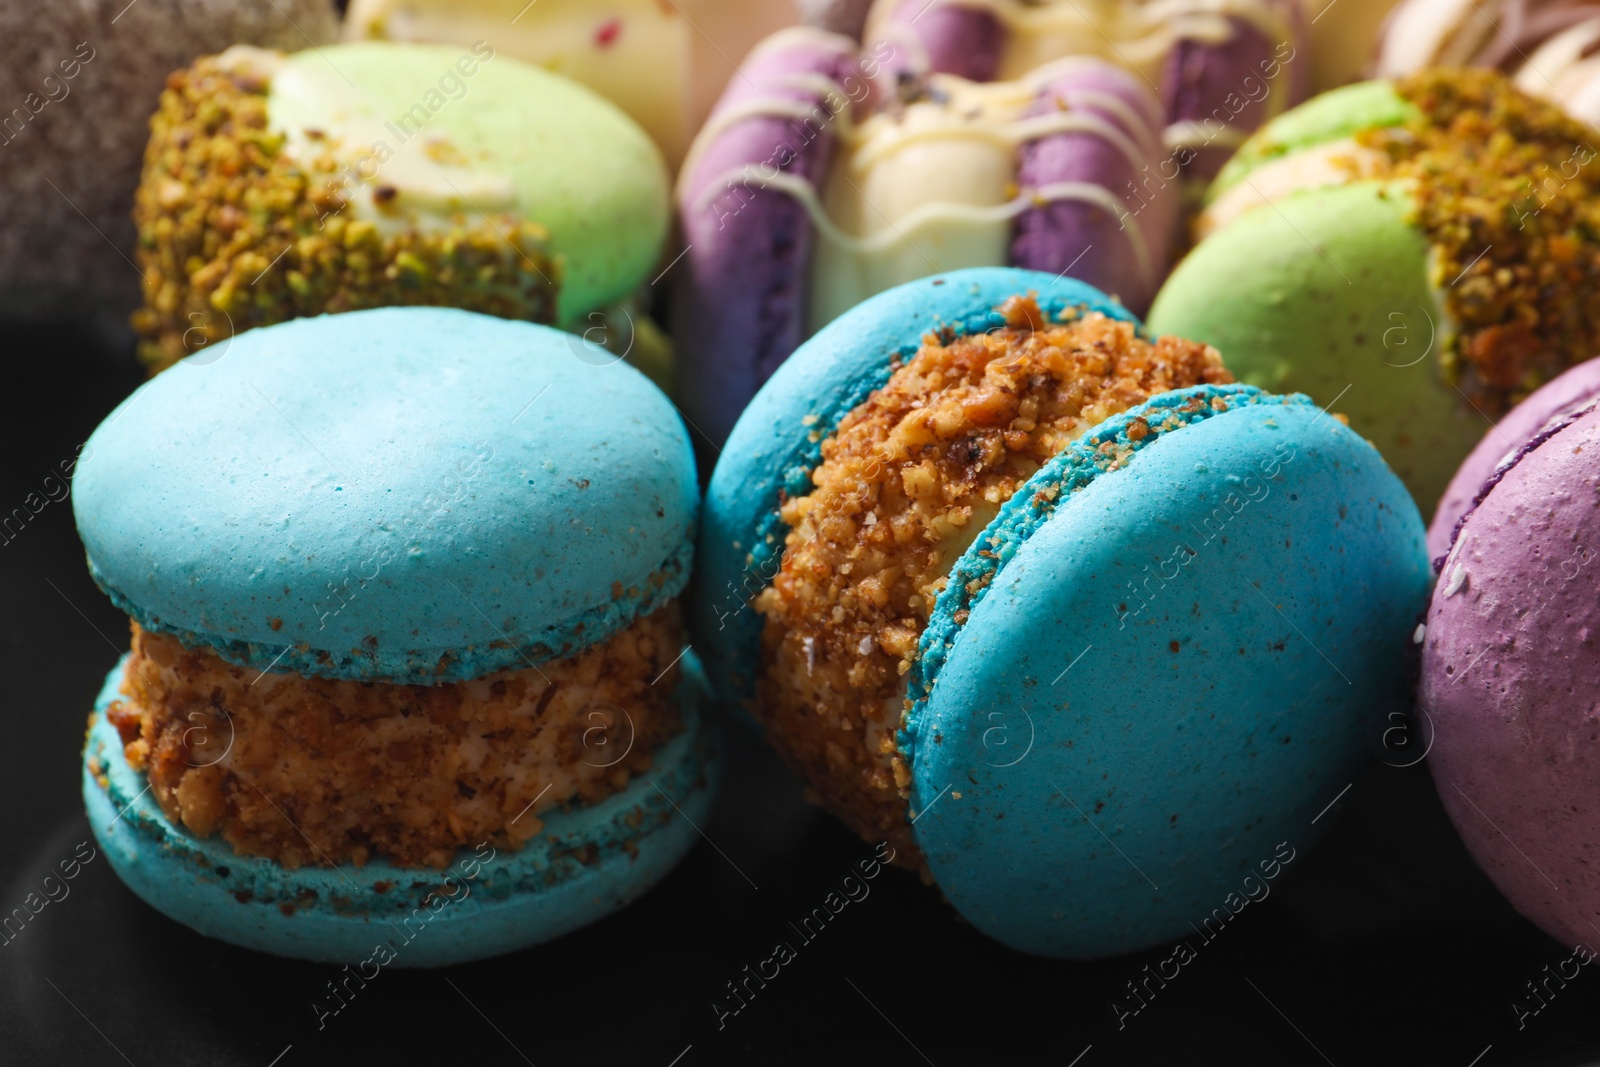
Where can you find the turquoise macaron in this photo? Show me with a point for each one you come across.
(1148, 675)
(375, 513)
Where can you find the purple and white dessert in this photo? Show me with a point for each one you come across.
(819, 182)
(1221, 70)
(1550, 47)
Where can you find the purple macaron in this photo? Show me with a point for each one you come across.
(1122, 252)
(806, 124)
(739, 297)
(943, 38)
(1217, 92)
(1510, 659)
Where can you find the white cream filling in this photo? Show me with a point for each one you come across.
(394, 171)
(933, 188)
(1333, 163)
(1200, 134)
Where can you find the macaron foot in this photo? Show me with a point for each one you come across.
(907, 481)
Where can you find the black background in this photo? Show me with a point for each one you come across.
(1385, 945)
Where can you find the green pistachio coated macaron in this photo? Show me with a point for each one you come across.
(1419, 251)
(367, 175)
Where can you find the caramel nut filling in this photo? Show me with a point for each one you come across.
(311, 771)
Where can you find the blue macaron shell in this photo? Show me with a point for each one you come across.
(1166, 682)
(778, 440)
(586, 863)
(405, 494)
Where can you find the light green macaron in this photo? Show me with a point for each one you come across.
(1414, 254)
(376, 174)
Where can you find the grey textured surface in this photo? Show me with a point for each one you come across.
(70, 148)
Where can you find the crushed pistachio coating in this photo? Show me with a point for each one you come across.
(1507, 191)
(234, 233)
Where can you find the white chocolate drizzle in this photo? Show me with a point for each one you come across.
(972, 130)
(1139, 34)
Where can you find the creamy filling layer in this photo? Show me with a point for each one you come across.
(907, 482)
(1336, 162)
(309, 771)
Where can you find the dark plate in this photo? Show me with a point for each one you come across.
(1386, 945)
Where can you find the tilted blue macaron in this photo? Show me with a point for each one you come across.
(1151, 671)
(410, 496)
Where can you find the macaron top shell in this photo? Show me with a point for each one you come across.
(406, 494)
(1108, 447)
(509, 136)
(1360, 322)
(1573, 390)
(778, 440)
(1163, 682)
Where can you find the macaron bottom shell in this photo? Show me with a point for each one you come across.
(586, 863)
(1139, 723)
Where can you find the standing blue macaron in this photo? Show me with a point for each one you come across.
(1086, 632)
(407, 653)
